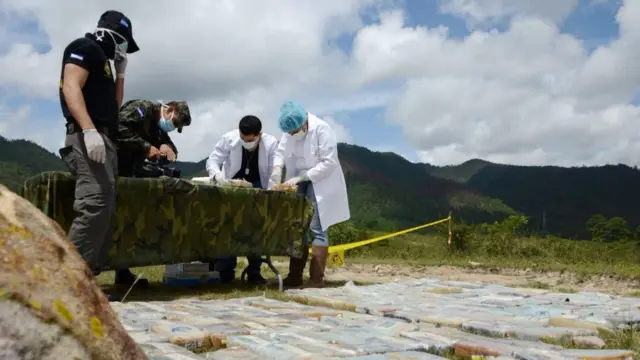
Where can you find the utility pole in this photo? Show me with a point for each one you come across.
(544, 224)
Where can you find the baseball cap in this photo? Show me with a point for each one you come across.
(116, 21)
(183, 116)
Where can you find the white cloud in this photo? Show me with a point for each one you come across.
(527, 95)
(487, 12)
(342, 133)
(223, 57)
(530, 95)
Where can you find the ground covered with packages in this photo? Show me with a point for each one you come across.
(414, 319)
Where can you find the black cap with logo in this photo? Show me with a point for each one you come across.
(116, 21)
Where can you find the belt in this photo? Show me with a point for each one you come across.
(73, 128)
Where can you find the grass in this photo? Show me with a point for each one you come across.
(156, 291)
(584, 258)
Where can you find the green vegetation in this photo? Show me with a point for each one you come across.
(496, 245)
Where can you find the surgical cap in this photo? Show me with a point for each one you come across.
(292, 116)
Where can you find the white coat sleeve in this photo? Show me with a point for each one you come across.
(217, 157)
(327, 152)
(278, 157)
(271, 157)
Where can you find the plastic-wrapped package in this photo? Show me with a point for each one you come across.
(325, 350)
(200, 320)
(598, 354)
(287, 337)
(431, 343)
(234, 353)
(185, 335)
(137, 325)
(143, 337)
(159, 348)
(218, 333)
(158, 306)
(411, 355)
(268, 349)
(191, 356)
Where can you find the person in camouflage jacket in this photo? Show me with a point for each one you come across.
(143, 133)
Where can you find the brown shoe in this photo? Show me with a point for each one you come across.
(317, 265)
(296, 270)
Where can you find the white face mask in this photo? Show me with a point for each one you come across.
(249, 144)
(299, 135)
(120, 46)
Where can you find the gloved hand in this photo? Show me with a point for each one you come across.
(120, 63)
(220, 179)
(276, 175)
(297, 179)
(94, 143)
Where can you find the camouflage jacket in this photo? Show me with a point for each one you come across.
(139, 130)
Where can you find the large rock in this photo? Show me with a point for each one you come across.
(50, 305)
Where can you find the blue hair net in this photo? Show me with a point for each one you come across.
(292, 116)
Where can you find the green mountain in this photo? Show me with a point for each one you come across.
(564, 197)
(20, 159)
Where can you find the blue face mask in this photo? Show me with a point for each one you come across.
(166, 125)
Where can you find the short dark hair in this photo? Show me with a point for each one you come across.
(250, 125)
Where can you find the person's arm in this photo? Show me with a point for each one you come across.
(271, 155)
(119, 91)
(217, 157)
(278, 156)
(77, 64)
(120, 64)
(132, 124)
(328, 152)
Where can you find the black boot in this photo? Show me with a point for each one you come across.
(296, 270)
(255, 279)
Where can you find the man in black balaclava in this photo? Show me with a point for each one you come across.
(90, 98)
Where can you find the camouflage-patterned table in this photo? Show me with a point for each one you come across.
(167, 220)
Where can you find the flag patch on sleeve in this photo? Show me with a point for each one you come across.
(76, 56)
(139, 110)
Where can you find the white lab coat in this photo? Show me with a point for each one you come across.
(321, 155)
(226, 156)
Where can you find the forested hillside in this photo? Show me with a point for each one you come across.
(566, 197)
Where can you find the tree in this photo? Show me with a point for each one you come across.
(613, 229)
(636, 235)
(596, 225)
(618, 229)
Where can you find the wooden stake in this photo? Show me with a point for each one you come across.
(450, 225)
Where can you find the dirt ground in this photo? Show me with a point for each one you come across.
(564, 282)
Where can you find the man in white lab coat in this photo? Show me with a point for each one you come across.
(309, 151)
(241, 155)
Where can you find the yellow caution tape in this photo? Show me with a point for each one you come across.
(336, 253)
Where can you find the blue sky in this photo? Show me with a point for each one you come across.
(594, 24)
